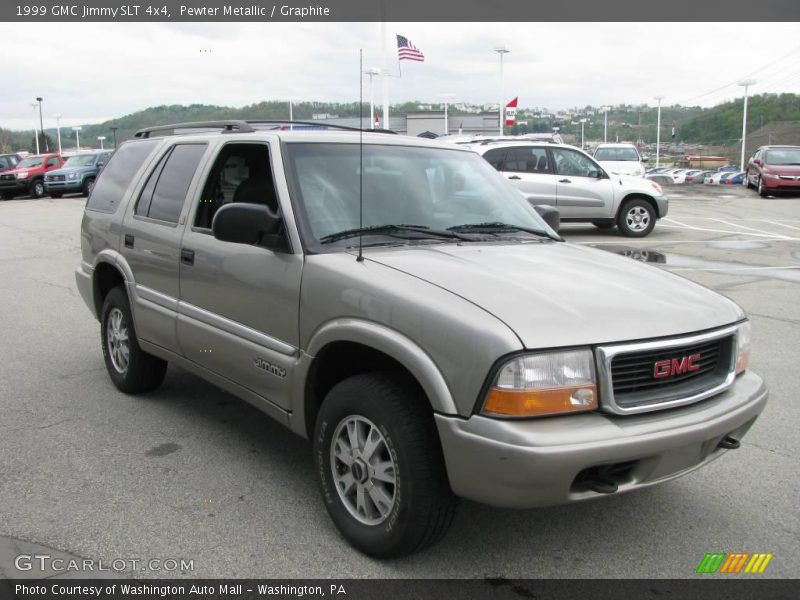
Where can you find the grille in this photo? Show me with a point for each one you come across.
(55, 178)
(633, 374)
(6, 177)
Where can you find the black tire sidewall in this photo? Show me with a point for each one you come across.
(626, 207)
(386, 538)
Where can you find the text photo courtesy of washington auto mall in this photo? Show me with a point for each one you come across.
(317, 299)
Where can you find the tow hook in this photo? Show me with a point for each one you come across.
(729, 443)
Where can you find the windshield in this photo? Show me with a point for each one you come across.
(783, 156)
(84, 160)
(27, 163)
(617, 154)
(425, 188)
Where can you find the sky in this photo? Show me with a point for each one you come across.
(90, 72)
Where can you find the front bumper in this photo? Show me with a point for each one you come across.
(65, 187)
(542, 462)
(14, 186)
(781, 184)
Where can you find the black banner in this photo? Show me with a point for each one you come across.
(464, 589)
(401, 10)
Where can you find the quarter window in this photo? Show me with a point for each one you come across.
(114, 179)
(495, 158)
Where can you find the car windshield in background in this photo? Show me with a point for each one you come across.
(411, 188)
(86, 160)
(616, 154)
(784, 156)
(28, 163)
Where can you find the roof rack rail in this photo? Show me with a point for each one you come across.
(229, 126)
(241, 126)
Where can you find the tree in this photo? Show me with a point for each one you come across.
(46, 143)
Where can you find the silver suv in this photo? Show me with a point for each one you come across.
(435, 339)
(583, 191)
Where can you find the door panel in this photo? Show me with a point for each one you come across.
(581, 194)
(528, 168)
(239, 303)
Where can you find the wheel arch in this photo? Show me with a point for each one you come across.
(347, 347)
(637, 196)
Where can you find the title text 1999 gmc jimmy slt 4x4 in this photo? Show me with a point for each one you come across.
(467, 352)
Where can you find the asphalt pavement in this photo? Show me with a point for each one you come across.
(191, 473)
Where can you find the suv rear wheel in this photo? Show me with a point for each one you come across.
(379, 465)
(131, 369)
(636, 218)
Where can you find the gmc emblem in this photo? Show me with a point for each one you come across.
(676, 366)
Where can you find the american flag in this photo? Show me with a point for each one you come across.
(408, 51)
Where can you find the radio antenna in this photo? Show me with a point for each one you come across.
(360, 152)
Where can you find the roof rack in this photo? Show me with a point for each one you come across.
(241, 126)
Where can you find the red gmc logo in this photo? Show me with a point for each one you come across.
(676, 366)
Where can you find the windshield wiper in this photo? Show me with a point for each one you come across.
(390, 229)
(496, 227)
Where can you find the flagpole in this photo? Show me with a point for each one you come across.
(385, 69)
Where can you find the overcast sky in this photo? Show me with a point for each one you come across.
(90, 72)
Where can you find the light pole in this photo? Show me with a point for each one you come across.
(746, 83)
(291, 123)
(502, 49)
(77, 130)
(605, 124)
(41, 123)
(114, 131)
(583, 122)
(101, 138)
(372, 72)
(658, 130)
(34, 105)
(446, 97)
(58, 130)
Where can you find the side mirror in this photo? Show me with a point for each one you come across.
(549, 213)
(757, 162)
(245, 223)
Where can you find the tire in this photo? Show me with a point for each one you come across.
(137, 371)
(762, 191)
(56, 194)
(636, 218)
(604, 224)
(88, 186)
(37, 188)
(418, 507)
(747, 181)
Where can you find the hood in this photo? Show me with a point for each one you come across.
(622, 167)
(67, 170)
(555, 294)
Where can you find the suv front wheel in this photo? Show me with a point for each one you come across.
(131, 369)
(380, 467)
(636, 218)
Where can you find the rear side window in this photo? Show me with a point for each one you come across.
(527, 160)
(495, 157)
(116, 176)
(165, 192)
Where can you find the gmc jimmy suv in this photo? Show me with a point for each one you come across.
(398, 302)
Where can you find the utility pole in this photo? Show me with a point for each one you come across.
(501, 50)
(746, 83)
(658, 130)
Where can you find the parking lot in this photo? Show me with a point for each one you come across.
(190, 472)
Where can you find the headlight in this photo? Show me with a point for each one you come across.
(72, 176)
(548, 383)
(22, 175)
(656, 187)
(743, 337)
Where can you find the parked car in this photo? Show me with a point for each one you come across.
(660, 178)
(620, 159)
(699, 177)
(680, 175)
(571, 180)
(77, 175)
(473, 353)
(774, 169)
(734, 179)
(728, 168)
(8, 162)
(28, 176)
(717, 177)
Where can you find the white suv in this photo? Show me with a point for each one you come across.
(620, 159)
(582, 190)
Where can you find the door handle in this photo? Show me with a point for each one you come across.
(187, 256)
(128, 240)
(515, 177)
(565, 181)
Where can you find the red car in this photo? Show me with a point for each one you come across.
(774, 169)
(28, 176)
